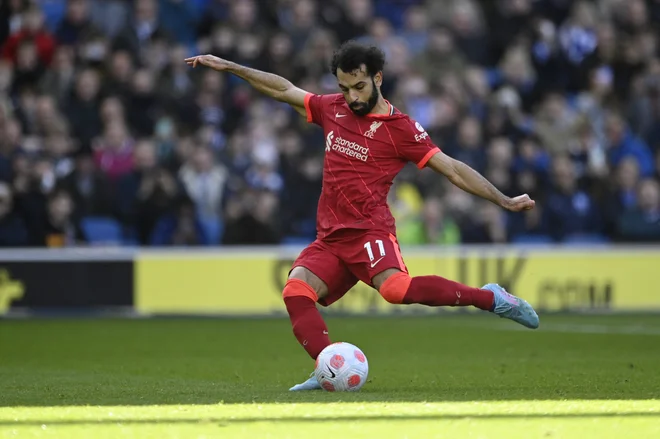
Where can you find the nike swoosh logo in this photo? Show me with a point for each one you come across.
(331, 372)
(337, 116)
(373, 264)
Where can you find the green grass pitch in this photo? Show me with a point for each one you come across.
(442, 376)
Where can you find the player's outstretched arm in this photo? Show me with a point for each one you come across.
(471, 181)
(269, 84)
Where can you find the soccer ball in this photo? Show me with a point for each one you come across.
(341, 367)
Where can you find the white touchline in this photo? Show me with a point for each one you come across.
(581, 329)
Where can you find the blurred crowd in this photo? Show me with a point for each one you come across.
(106, 135)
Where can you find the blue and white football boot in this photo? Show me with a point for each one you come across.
(511, 307)
(310, 384)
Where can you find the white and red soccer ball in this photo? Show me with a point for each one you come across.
(341, 367)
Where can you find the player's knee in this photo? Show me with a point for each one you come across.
(395, 287)
(308, 278)
(298, 288)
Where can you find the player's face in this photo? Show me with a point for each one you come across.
(360, 90)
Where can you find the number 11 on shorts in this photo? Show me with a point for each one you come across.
(381, 249)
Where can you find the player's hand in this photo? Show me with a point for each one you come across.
(214, 62)
(519, 203)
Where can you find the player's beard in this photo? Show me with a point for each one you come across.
(364, 108)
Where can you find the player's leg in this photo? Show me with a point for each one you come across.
(317, 276)
(398, 287)
(381, 265)
(301, 292)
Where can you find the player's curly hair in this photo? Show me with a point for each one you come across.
(351, 55)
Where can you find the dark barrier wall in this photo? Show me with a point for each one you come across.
(66, 284)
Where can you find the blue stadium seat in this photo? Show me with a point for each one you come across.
(532, 239)
(54, 11)
(296, 240)
(585, 238)
(101, 230)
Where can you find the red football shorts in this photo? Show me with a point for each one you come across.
(352, 257)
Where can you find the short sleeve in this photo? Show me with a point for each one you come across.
(317, 106)
(314, 108)
(414, 143)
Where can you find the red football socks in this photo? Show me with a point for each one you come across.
(308, 325)
(438, 291)
(312, 333)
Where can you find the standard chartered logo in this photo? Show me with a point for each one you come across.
(343, 146)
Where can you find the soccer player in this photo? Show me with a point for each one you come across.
(367, 143)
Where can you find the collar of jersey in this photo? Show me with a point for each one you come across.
(383, 115)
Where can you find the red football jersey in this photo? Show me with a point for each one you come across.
(363, 154)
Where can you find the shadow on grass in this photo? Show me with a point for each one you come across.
(301, 419)
(179, 396)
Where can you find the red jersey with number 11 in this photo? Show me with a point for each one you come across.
(363, 154)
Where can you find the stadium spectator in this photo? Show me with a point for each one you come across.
(569, 209)
(113, 151)
(62, 228)
(469, 147)
(10, 142)
(204, 182)
(29, 69)
(621, 143)
(140, 29)
(82, 110)
(180, 228)
(120, 71)
(59, 78)
(76, 24)
(642, 223)
(487, 226)
(144, 104)
(252, 219)
(12, 229)
(33, 31)
(440, 56)
(137, 180)
(157, 196)
(468, 25)
(89, 188)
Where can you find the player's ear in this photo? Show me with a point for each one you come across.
(378, 79)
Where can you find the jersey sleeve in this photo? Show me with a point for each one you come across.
(414, 144)
(315, 106)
